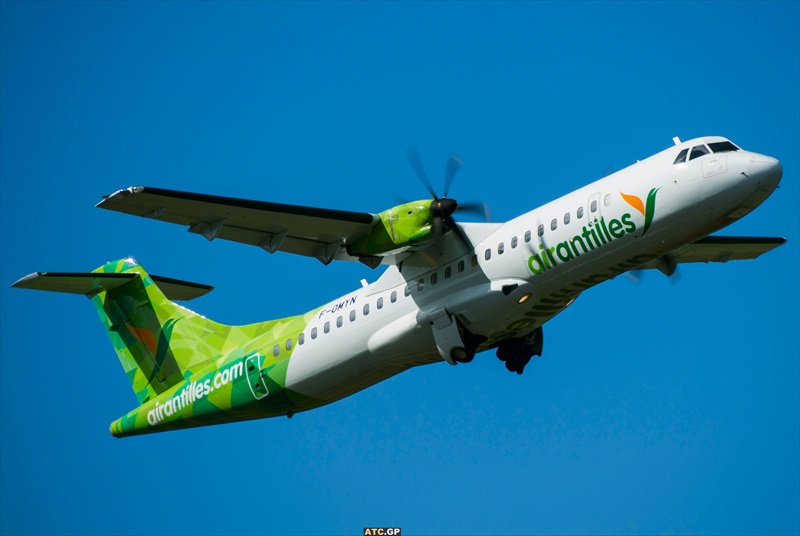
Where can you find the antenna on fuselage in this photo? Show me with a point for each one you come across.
(677, 140)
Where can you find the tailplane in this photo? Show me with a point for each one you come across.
(158, 342)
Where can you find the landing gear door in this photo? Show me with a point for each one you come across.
(445, 333)
(252, 367)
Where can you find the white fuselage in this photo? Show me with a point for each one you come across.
(525, 271)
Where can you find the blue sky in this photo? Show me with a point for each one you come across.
(656, 408)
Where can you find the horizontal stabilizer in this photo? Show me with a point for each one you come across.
(92, 283)
(720, 249)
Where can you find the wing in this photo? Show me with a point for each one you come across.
(312, 232)
(718, 249)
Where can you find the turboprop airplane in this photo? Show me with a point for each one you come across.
(450, 290)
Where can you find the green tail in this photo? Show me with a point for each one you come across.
(158, 342)
(186, 370)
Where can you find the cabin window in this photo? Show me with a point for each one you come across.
(353, 315)
(339, 322)
(448, 271)
(579, 213)
(487, 254)
(698, 151)
(593, 207)
(514, 242)
(460, 266)
(313, 333)
(554, 224)
(681, 158)
(380, 303)
(420, 284)
(288, 344)
(527, 236)
(607, 200)
(723, 147)
(393, 297)
(366, 309)
(407, 290)
(540, 230)
(327, 327)
(566, 218)
(474, 261)
(276, 350)
(500, 248)
(301, 338)
(434, 278)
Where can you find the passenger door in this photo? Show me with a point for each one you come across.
(252, 367)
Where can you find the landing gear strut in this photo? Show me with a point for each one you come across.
(456, 344)
(471, 343)
(516, 353)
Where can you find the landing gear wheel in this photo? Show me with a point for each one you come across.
(516, 353)
(461, 355)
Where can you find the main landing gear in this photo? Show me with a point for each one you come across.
(516, 353)
(456, 344)
(471, 341)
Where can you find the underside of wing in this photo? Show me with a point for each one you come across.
(719, 249)
(312, 232)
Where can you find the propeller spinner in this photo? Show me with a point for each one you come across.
(442, 208)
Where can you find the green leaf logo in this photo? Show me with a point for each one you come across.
(647, 209)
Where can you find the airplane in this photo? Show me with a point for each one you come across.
(449, 290)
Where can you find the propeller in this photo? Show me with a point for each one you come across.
(442, 208)
(667, 265)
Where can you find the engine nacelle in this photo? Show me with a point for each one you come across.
(400, 228)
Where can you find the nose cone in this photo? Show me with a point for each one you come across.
(766, 170)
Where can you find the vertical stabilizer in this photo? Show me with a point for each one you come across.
(158, 342)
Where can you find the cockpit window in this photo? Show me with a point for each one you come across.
(681, 158)
(697, 151)
(723, 147)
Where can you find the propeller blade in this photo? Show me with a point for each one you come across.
(454, 163)
(400, 200)
(438, 228)
(672, 272)
(416, 164)
(634, 276)
(459, 233)
(476, 207)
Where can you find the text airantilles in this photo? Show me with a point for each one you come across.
(192, 392)
(597, 234)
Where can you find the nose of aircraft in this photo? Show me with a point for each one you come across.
(766, 170)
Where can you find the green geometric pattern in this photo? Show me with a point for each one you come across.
(187, 370)
(405, 225)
